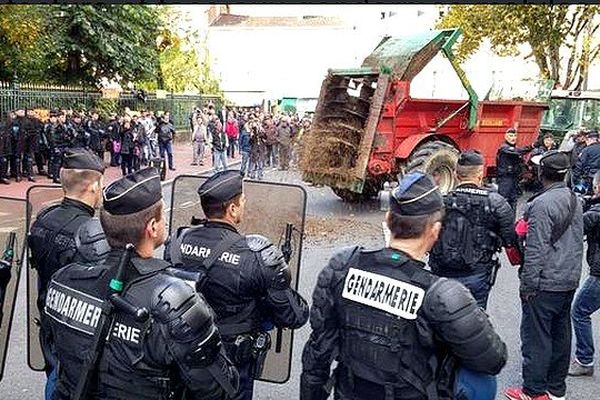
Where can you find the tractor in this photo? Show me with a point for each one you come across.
(367, 130)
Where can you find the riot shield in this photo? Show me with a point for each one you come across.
(12, 239)
(274, 210)
(38, 197)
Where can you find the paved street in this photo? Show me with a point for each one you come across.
(330, 225)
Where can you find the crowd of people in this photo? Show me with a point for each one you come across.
(398, 324)
(133, 140)
(262, 139)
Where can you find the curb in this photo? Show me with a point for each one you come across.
(170, 181)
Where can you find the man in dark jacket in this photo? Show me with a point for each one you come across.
(246, 281)
(589, 160)
(549, 276)
(509, 159)
(477, 224)
(587, 300)
(384, 318)
(52, 237)
(18, 143)
(96, 131)
(166, 134)
(245, 146)
(5, 150)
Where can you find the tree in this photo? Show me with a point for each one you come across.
(561, 37)
(88, 42)
(183, 57)
(21, 42)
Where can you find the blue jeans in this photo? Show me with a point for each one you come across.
(479, 286)
(219, 161)
(586, 303)
(167, 147)
(470, 385)
(50, 384)
(256, 169)
(244, 164)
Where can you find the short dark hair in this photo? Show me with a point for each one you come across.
(128, 228)
(467, 171)
(412, 226)
(217, 210)
(552, 175)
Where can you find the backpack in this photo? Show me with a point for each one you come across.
(465, 238)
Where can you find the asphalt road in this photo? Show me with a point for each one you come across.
(330, 224)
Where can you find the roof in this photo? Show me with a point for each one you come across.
(245, 21)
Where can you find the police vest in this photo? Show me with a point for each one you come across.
(74, 302)
(466, 241)
(197, 249)
(384, 349)
(52, 241)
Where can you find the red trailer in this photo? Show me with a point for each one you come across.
(367, 129)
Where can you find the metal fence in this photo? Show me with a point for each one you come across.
(14, 95)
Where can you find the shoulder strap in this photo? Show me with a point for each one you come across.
(557, 234)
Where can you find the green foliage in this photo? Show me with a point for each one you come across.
(80, 44)
(95, 41)
(180, 67)
(106, 107)
(21, 41)
(550, 32)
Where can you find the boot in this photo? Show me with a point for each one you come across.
(4, 181)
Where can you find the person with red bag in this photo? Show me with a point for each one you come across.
(549, 275)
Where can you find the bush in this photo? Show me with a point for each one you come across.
(106, 107)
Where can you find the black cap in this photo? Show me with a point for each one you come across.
(592, 133)
(221, 187)
(511, 130)
(132, 193)
(79, 158)
(416, 194)
(554, 160)
(470, 158)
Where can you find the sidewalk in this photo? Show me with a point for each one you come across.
(182, 158)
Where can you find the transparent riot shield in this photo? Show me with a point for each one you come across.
(12, 239)
(272, 210)
(38, 198)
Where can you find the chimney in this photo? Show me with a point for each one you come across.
(213, 13)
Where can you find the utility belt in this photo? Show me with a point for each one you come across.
(249, 348)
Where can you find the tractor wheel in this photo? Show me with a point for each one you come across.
(438, 159)
(349, 196)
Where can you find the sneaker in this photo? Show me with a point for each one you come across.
(194, 163)
(578, 369)
(553, 397)
(518, 394)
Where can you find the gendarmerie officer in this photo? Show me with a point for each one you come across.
(178, 347)
(384, 318)
(5, 149)
(247, 281)
(509, 159)
(588, 161)
(52, 237)
(477, 223)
